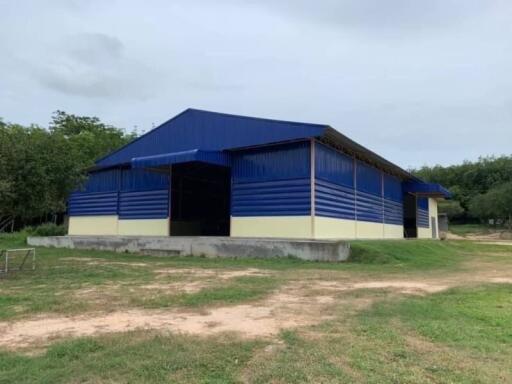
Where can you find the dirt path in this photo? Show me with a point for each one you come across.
(281, 310)
(296, 304)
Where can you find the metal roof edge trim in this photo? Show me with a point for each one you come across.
(427, 189)
(141, 136)
(324, 126)
(210, 157)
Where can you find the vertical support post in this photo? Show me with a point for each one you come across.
(312, 179)
(34, 259)
(6, 261)
(170, 199)
(383, 204)
(355, 197)
(119, 188)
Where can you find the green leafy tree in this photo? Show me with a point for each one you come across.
(40, 167)
(495, 204)
(470, 179)
(451, 208)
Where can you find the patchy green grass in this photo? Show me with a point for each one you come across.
(62, 274)
(134, 357)
(372, 336)
(237, 290)
(478, 318)
(418, 254)
(460, 336)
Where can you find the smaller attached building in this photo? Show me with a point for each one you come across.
(212, 174)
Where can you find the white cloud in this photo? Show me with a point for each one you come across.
(419, 82)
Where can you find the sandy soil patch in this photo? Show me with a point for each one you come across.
(83, 259)
(101, 261)
(501, 280)
(128, 264)
(453, 236)
(221, 274)
(296, 304)
(402, 286)
(267, 318)
(502, 242)
(179, 287)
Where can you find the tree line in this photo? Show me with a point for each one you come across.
(482, 190)
(41, 166)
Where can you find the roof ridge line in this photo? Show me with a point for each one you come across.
(257, 118)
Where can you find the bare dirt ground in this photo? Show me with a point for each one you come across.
(301, 302)
(498, 237)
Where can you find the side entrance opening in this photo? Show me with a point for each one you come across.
(410, 213)
(200, 200)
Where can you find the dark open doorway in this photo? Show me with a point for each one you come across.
(410, 213)
(200, 200)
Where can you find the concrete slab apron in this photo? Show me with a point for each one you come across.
(317, 250)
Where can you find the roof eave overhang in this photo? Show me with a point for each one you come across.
(339, 141)
(195, 155)
(423, 189)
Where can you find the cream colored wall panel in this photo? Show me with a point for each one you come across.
(271, 226)
(432, 210)
(393, 231)
(93, 225)
(367, 230)
(144, 227)
(332, 228)
(424, 233)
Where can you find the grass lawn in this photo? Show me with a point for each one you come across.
(398, 312)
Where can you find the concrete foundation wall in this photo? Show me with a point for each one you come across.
(318, 250)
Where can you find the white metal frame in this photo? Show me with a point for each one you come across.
(5, 254)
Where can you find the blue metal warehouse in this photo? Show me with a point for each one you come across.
(214, 174)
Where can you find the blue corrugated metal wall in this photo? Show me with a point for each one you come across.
(393, 200)
(334, 184)
(272, 181)
(422, 215)
(141, 180)
(369, 203)
(211, 131)
(93, 204)
(103, 181)
(334, 167)
(377, 196)
(144, 204)
(131, 194)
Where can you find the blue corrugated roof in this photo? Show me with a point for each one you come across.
(210, 157)
(195, 129)
(211, 131)
(426, 189)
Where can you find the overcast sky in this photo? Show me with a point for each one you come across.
(419, 82)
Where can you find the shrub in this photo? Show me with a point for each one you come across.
(47, 229)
